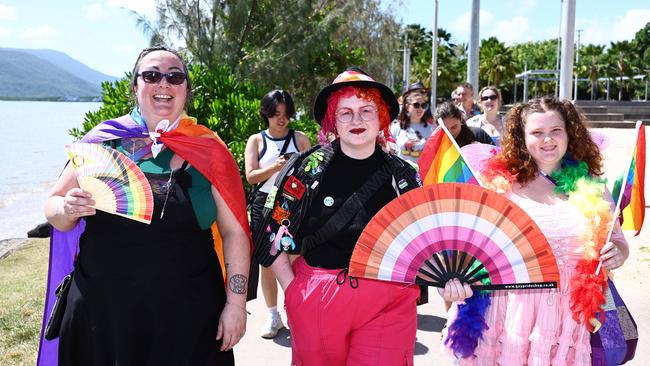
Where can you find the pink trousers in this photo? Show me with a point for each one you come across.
(338, 320)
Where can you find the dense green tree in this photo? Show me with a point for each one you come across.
(538, 55)
(376, 32)
(292, 46)
(642, 44)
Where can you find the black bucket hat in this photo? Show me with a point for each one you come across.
(354, 76)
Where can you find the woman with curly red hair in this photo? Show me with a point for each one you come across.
(551, 168)
(322, 200)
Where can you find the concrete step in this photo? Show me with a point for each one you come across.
(613, 124)
(594, 109)
(604, 116)
(609, 103)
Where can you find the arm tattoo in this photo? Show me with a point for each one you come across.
(238, 284)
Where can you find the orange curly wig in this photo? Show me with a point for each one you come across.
(514, 155)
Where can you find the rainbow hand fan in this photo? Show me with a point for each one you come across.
(432, 234)
(117, 184)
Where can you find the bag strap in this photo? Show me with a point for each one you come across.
(347, 211)
(255, 188)
(287, 140)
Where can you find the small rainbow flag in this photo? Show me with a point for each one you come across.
(442, 162)
(632, 200)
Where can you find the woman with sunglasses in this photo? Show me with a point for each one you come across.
(411, 129)
(266, 153)
(490, 121)
(321, 202)
(154, 294)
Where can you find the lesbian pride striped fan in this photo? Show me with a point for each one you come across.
(117, 184)
(450, 230)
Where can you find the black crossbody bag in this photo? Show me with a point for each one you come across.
(253, 192)
(56, 316)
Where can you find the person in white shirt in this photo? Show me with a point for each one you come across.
(490, 121)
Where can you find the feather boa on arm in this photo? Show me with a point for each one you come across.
(587, 195)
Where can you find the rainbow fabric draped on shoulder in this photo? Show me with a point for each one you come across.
(199, 146)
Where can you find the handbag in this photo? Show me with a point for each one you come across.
(616, 340)
(56, 316)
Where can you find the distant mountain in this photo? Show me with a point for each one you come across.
(70, 65)
(46, 74)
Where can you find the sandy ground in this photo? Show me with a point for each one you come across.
(632, 281)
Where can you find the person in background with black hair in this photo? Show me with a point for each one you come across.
(452, 117)
(265, 155)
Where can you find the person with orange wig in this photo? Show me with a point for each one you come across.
(551, 168)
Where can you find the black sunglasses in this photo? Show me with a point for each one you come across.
(152, 77)
(419, 105)
(490, 97)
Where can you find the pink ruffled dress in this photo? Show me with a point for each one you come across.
(535, 327)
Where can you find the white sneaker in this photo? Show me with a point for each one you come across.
(272, 326)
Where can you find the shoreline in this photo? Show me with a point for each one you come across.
(7, 246)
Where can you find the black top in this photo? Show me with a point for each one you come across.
(468, 135)
(342, 178)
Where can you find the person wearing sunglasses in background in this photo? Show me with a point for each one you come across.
(266, 153)
(412, 128)
(321, 202)
(490, 121)
(154, 294)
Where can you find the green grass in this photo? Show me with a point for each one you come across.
(22, 292)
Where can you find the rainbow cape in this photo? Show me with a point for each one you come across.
(631, 200)
(197, 144)
(442, 162)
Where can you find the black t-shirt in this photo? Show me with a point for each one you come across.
(343, 177)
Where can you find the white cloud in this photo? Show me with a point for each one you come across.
(143, 7)
(626, 27)
(618, 29)
(4, 33)
(525, 6)
(95, 11)
(515, 30)
(460, 27)
(7, 12)
(41, 33)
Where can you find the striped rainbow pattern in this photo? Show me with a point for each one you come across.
(116, 183)
(470, 219)
(632, 203)
(441, 162)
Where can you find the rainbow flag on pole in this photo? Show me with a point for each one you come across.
(441, 161)
(631, 200)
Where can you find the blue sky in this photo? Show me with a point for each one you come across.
(103, 33)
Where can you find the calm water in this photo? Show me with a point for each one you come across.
(34, 134)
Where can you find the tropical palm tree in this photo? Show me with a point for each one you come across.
(621, 55)
(497, 61)
(592, 58)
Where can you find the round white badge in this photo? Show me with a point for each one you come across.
(328, 201)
